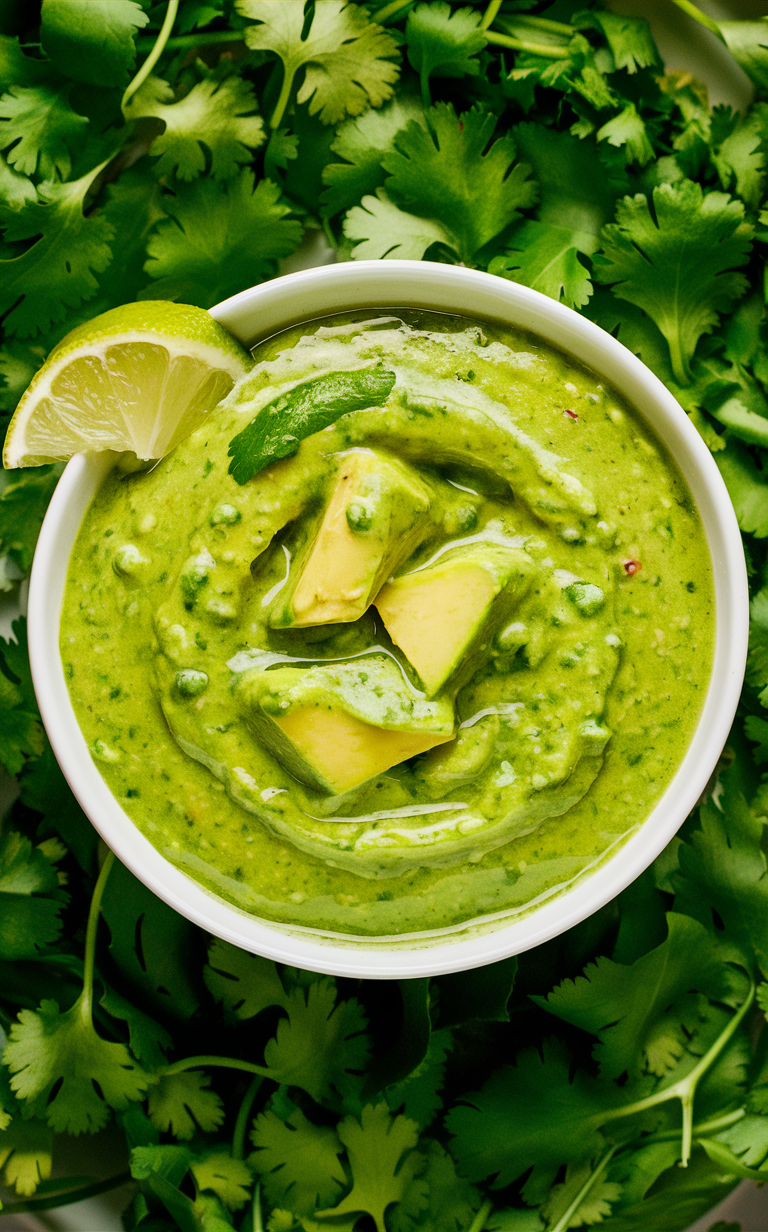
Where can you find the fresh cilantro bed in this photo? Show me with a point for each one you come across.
(548, 145)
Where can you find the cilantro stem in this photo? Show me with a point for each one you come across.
(541, 23)
(537, 49)
(478, 1223)
(247, 1067)
(685, 1089)
(390, 10)
(489, 16)
(86, 997)
(241, 1124)
(564, 1221)
(155, 53)
(282, 102)
(688, 7)
(51, 1201)
(182, 42)
(699, 1131)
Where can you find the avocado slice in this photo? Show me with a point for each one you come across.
(377, 514)
(333, 727)
(444, 614)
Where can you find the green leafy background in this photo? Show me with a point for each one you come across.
(547, 144)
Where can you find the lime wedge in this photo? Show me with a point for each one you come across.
(140, 377)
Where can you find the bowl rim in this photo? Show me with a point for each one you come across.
(254, 315)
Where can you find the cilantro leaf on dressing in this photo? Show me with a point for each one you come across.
(26, 1152)
(677, 264)
(215, 115)
(279, 427)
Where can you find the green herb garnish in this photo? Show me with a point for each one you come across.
(281, 425)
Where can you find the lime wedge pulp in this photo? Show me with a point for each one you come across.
(140, 377)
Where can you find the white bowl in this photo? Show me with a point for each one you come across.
(254, 315)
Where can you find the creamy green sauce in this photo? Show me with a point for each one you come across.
(570, 719)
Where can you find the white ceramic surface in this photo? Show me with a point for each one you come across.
(254, 315)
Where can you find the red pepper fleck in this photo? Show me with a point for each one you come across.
(632, 567)
(571, 415)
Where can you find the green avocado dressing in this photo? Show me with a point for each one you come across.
(570, 713)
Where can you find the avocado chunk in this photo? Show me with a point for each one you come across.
(442, 615)
(377, 514)
(335, 727)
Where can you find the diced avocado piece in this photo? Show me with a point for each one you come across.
(441, 615)
(377, 514)
(335, 727)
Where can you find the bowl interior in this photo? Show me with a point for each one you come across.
(254, 315)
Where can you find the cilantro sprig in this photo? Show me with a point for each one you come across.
(184, 151)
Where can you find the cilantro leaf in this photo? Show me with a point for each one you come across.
(628, 130)
(230, 1179)
(418, 1095)
(530, 1115)
(57, 271)
(746, 488)
(363, 142)
(26, 1151)
(747, 42)
(21, 735)
(348, 59)
(179, 1103)
(42, 129)
(321, 1046)
(149, 1041)
(44, 788)
(297, 1161)
(678, 266)
(23, 503)
(244, 983)
(218, 239)
(739, 158)
(28, 922)
(545, 258)
(279, 427)
(47, 1049)
(381, 229)
(593, 1209)
(630, 40)
(15, 188)
(153, 946)
(452, 175)
(483, 992)
(442, 42)
(757, 657)
(383, 1162)
(578, 184)
(214, 115)
(644, 1013)
(452, 1202)
(92, 42)
(723, 868)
